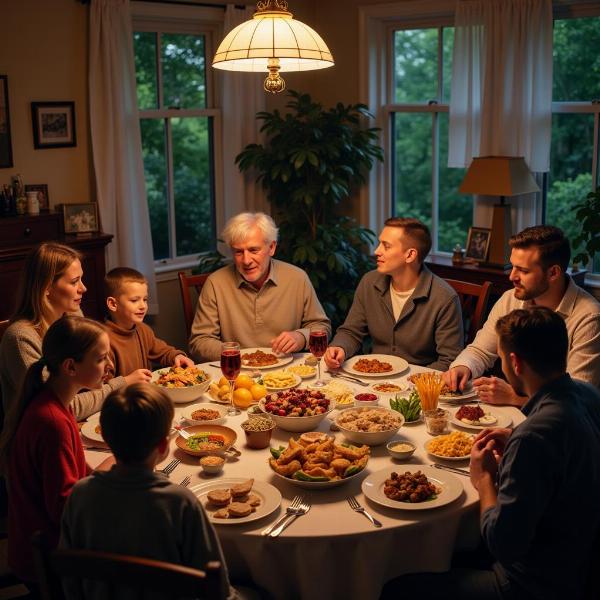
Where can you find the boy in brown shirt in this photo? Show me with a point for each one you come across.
(133, 344)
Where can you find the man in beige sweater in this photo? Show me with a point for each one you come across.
(540, 256)
(258, 301)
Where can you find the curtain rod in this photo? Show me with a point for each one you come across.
(182, 3)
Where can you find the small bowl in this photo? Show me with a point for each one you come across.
(374, 399)
(212, 464)
(258, 439)
(400, 454)
(188, 412)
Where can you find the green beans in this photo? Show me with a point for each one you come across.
(409, 407)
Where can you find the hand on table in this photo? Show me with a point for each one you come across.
(334, 357)
(181, 360)
(287, 342)
(494, 390)
(457, 377)
(138, 376)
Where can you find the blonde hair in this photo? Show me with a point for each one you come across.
(45, 265)
(238, 227)
(68, 337)
(135, 419)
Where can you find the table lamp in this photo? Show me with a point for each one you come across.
(499, 176)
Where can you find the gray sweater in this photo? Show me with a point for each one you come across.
(428, 332)
(21, 346)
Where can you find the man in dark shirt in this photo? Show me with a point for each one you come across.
(539, 485)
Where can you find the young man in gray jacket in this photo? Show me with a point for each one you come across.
(407, 310)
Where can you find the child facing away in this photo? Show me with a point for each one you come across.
(133, 344)
(133, 509)
(40, 448)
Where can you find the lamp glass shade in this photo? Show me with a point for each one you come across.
(498, 176)
(249, 46)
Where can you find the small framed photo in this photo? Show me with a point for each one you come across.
(80, 218)
(478, 243)
(42, 194)
(6, 159)
(53, 124)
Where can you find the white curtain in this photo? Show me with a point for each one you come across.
(116, 140)
(501, 97)
(242, 97)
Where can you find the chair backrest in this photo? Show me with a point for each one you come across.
(3, 327)
(132, 572)
(473, 301)
(185, 283)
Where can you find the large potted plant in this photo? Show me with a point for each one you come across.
(588, 214)
(312, 161)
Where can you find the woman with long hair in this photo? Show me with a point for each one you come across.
(52, 286)
(41, 454)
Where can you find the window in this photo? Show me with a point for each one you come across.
(179, 141)
(422, 184)
(575, 122)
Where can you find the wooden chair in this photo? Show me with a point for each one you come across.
(473, 301)
(185, 283)
(133, 573)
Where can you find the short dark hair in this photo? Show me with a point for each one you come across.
(135, 419)
(115, 278)
(537, 335)
(553, 246)
(416, 231)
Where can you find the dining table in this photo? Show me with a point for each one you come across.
(333, 551)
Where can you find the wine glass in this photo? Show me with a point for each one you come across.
(317, 343)
(231, 363)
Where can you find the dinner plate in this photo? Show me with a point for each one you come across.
(308, 375)
(453, 458)
(399, 365)
(282, 359)
(187, 412)
(297, 382)
(467, 396)
(503, 421)
(270, 499)
(451, 487)
(89, 430)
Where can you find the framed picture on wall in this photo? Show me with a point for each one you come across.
(478, 243)
(6, 159)
(42, 194)
(53, 124)
(80, 218)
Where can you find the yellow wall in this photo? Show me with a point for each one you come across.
(43, 51)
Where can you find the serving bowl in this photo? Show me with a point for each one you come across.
(188, 411)
(400, 454)
(228, 435)
(296, 424)
(181, 395)
(371, 438)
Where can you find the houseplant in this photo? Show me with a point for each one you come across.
(588, 214)
(312, 161)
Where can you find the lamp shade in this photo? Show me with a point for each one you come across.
(498, 176)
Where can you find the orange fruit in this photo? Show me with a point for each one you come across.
(244, 381)
(242, 398)
(258, 391)
(223, 381)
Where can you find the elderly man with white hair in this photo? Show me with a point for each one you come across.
(257, 301)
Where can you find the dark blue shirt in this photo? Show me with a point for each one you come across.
(546, 519)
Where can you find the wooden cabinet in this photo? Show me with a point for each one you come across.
(18, 235)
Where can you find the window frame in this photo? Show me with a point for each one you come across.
(208, 22)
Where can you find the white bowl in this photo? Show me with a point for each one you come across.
(297, 424)
(182, 395)
(371, 438)
(363, 403)
(187, 412)
(400, 454)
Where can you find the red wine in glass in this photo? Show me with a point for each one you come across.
(317, 343)
(231, 363)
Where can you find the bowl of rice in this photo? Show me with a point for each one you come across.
(369, 425)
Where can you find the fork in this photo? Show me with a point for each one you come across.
(170, 467)
(290, 510)
(185, 481)
(349, 378)
(355, 506)
(297, 512)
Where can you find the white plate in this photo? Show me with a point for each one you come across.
(89, 430)
(401, 384)
(186, 413)
(450, 485)
(502, 421)
(454, 458)
(468, 394)
(297, 382)
(309, 376)
(269, 495)
(282, 359)
(399, 365)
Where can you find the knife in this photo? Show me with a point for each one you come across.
(451, 469)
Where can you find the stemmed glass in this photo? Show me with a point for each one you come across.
(231, 364)
(317, 343)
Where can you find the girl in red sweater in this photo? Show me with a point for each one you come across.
(42, 454)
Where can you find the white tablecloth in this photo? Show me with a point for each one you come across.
(333, 552)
